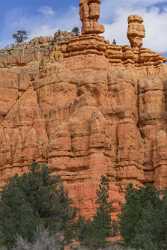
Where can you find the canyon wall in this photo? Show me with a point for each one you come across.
(87, 108)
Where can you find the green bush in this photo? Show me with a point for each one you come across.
(143, 222)
(31, 201)
(43, 241)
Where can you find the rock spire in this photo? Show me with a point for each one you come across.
(89, 15)
(136, 31)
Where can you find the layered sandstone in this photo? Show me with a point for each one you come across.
(87, 108)
(136, 31)
(89, 15)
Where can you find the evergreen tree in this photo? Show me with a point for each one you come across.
(31, 201)
(20, 36)
(102, 219)
(16, 215)
(94, 233)
(76, 31)
(143, 222)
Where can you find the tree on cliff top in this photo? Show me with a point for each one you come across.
(20, 36)
(76, 31)
(94, 233)
(31, 201)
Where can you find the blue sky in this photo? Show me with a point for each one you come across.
(44, 17)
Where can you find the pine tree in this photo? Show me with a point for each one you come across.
(16, 216)
(143, 222)
(76, 31)
(102, 220)
(31, 201)
(20, 36)
(94, 233)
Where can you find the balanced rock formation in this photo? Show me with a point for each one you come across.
(136, 31)
(89, 15)
(87, 108)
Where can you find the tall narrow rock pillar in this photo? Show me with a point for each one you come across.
(89, 15)
(136, 31)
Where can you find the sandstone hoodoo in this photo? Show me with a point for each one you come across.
(89, 15)
(87, 108)
(136, 31)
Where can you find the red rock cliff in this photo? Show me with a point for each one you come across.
(87, 108)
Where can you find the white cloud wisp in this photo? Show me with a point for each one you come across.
(114, 16)
(155, 21)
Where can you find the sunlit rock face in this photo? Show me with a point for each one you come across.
(87, 108)
(89, 15)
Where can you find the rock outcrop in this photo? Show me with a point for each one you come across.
(136, 31)
(89, 15)
(87, 108)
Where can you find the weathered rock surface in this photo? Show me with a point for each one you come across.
(87, 108)
(136, 31)
(89, 15)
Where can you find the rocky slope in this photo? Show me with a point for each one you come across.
(87, 108)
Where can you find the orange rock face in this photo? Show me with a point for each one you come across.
(87, 108)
